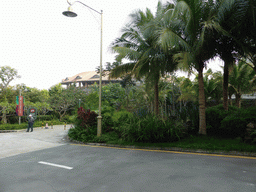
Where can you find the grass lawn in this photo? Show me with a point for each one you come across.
(197, 142)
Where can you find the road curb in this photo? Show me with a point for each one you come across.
(21, 130)
(8, 131)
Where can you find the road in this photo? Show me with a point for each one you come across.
(56, 165)
(15, 143)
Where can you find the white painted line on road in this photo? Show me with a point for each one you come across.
(55, 165)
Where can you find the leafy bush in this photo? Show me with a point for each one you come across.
(85, 126)
(190, 114)
(122, 116)
(107, 122)
(69, 118)
(142, 112)
(234, 125)
(113, 93)
(111, 120)
(214, 117)
(86, 118)
(150, 129)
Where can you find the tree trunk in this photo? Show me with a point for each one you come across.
(202, 118)
(4, 119)
(238, 100)
(156, 99)
(230, 99)
(225, 86)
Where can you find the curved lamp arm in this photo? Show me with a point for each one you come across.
(84, 5)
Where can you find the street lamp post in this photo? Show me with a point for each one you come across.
(79, 102)
(70, 13)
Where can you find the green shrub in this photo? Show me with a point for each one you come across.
(104, 138)
(111, 120)
(83, 135)
(150, 129)
(107, 122)
(24, 125)
(190, 113)
(235, 124)
(121, 117)
(69, 118)
(13, 126)
(214, 117)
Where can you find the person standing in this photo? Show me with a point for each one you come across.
(30, 123)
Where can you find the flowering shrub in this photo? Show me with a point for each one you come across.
(86, 118)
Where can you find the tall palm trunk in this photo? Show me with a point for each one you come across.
(156, 99)
(202, 118)
(225, 86)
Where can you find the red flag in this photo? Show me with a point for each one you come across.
(20, 110)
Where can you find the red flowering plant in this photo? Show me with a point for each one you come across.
(87, 118)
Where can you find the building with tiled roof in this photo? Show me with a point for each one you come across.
(86, 79)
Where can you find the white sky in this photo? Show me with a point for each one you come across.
(46, 47)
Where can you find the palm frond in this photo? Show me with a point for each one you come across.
(121, 70)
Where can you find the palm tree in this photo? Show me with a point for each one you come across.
(212, 86)
(226, 22)
(242, 80)
(185, 31)
(247, 35)
(147, 59)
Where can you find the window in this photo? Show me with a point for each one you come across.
(95, 77)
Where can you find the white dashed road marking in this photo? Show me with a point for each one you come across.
(55, 165)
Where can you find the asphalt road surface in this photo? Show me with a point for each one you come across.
(51, 164)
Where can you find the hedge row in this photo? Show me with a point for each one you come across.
(25, 125)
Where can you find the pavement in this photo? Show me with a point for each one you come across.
(14, 143)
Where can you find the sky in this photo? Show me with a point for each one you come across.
(45, 47)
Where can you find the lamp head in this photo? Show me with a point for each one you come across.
(69, 12)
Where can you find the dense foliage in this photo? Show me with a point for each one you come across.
(126, 126)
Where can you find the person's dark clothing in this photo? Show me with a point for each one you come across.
(30, 123)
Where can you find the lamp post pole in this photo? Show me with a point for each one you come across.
(99, 126)
(79, 103)
(69, 13)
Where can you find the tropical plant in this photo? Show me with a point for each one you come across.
(184, 29)
(242, 80)
(150, 129)
(212, 86)
(247, 36)
(147, 60)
